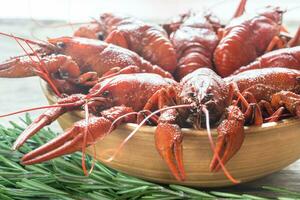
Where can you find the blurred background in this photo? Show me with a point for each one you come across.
(78, 10)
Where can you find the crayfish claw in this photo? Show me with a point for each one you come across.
(45, 119)
(69, 103)
(17, 67)
(82, 134)
(70, 141)
(168, 140)
(230, 137)
(55, 148)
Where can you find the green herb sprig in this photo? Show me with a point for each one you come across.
(63, 178)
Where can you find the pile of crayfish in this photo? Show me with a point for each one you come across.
(191, 72)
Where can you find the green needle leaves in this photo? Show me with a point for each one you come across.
(63, 178)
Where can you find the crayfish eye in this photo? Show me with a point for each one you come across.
(105, 93)
(207, 97)
(61, 45)
(100, 36)
(191, 94)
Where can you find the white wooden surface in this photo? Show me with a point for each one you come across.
(16, 94)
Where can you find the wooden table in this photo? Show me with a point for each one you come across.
(16, 94)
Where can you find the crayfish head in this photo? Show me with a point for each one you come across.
(99, 98)
(62, 43)
(92, 30)
(84, 51)
(117, 90)
(204, 88)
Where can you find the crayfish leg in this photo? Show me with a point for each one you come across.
(253, 115)
(295, 41)
(289, 100)
(276, 115)
(276, 42)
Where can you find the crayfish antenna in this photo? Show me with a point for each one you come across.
(38, 43)
(240, 9)
(42, 70)
(37, 108)
(84, 144)
(20, 67)
(216, 158)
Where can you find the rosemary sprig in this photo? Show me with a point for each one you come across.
(62, 178)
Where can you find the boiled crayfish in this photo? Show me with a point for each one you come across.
(203, 97)
(109, 102)
(195, 41)
(210, 98)
(148, 40)
(261, 33)
(74, 63)
(115, 85)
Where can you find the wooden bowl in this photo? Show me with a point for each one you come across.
(266, 149)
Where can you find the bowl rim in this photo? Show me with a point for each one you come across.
(193, 132)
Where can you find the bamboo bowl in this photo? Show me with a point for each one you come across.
(266, 149)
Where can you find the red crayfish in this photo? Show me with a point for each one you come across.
(210, 97)
(71, 63)
(112, 101)
(247, 37)
(148, 40)
(202, 98)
